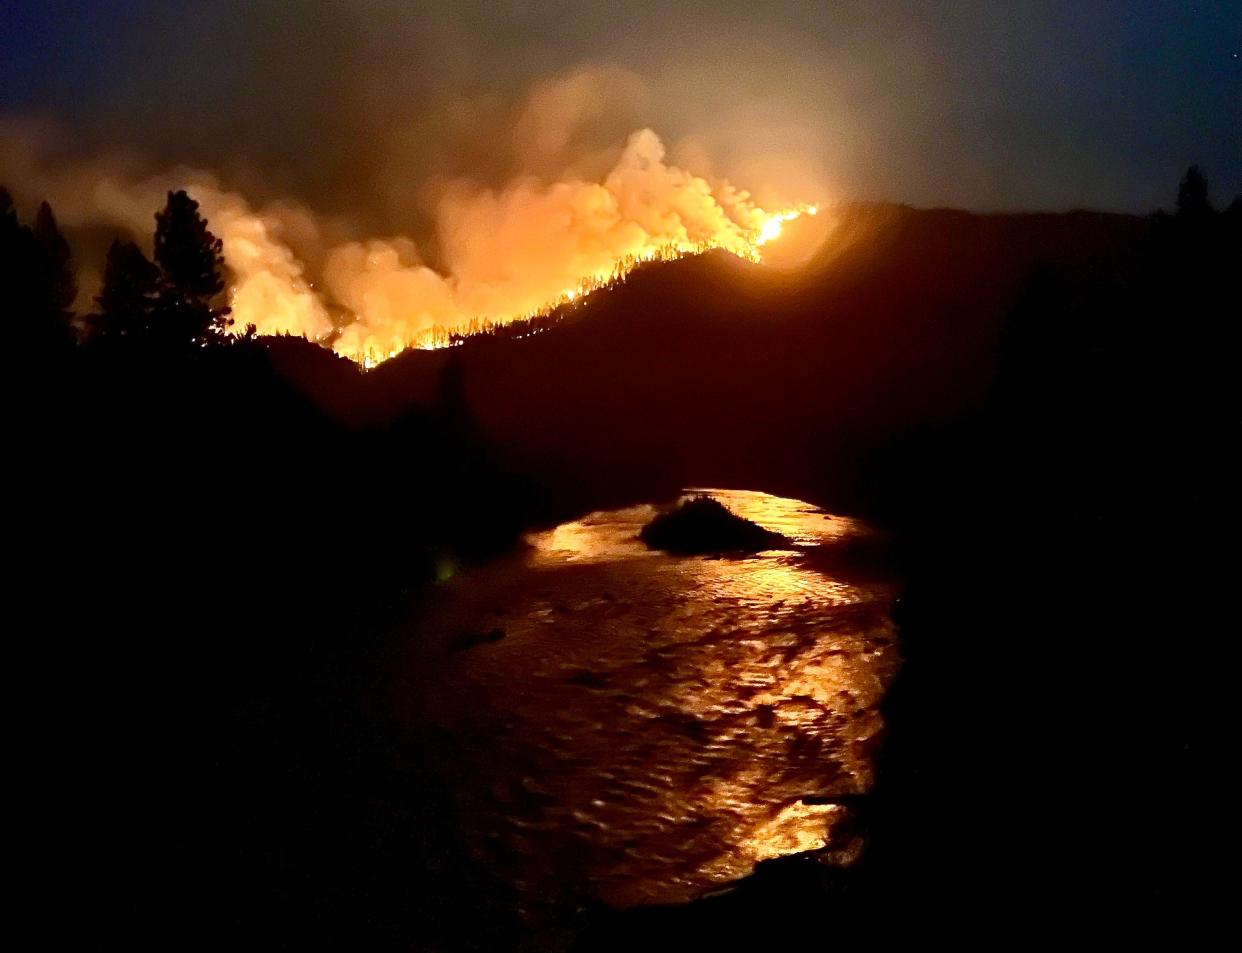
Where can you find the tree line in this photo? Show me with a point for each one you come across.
(172, 299)
(175, 298)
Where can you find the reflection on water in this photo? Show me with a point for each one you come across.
(652, 726)
(600, 537)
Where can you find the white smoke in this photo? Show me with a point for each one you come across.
(574, 209)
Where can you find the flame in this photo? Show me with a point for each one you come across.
(519, 251)
(369, 354)
(771, 229)
(532, 247)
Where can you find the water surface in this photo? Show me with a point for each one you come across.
(649, 726)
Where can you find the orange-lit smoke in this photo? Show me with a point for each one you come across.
(267, 284)
(531, 245)
(503, 252)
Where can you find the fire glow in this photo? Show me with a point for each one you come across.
(499, 253)
(505, 255)
(438, 336)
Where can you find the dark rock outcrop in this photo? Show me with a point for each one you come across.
(704, 525)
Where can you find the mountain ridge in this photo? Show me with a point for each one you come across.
(893, 325)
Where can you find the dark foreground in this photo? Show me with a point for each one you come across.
(1067, 613)
(208, 565)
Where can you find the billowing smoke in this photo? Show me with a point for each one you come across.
(513, 251)
(267, 285)
(573, 213)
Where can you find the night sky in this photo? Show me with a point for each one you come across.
(1021, 104)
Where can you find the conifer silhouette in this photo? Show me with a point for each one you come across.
(36, 278)
(129, 295)
(57, 283)
(1192, 195)
(191, 263)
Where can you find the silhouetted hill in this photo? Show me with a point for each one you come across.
(1065, 610)
(716, 371)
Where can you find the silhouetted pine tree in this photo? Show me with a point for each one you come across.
(37, 285)
(191, 264)
(130, 293)
(9, 225)
(57, 284)
(1192, 195)
(16, 258)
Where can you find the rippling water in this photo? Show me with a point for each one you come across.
(649, 726)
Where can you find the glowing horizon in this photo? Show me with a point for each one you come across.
(439, 336)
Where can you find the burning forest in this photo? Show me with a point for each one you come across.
(505, 254)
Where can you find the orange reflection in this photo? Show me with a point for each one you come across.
(659, 723)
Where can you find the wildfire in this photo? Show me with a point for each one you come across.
(772, 228)
(505, 255)
(748, 246)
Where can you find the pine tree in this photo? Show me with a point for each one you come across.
(16, 258)
(1192, 195)
(191, 264)
(37, 285)
(131, 286)
(9, 225)
(58, 287)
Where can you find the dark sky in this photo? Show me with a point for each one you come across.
(1021, 103)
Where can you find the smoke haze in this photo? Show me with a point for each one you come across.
(384, 167)
(575, 208)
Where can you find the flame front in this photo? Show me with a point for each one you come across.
(508, 255)
(501, 254)
(369, 351)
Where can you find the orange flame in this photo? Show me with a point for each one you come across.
(504, 254)
(369, 353)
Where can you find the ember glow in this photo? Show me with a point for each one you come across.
(371, 349)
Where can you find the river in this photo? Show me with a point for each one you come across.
(626, 727)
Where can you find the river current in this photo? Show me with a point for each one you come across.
(628, 727)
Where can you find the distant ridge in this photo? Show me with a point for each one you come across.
(712, 370)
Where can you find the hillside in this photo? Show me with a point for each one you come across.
(716, 371)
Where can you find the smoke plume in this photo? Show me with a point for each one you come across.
(573, 211)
